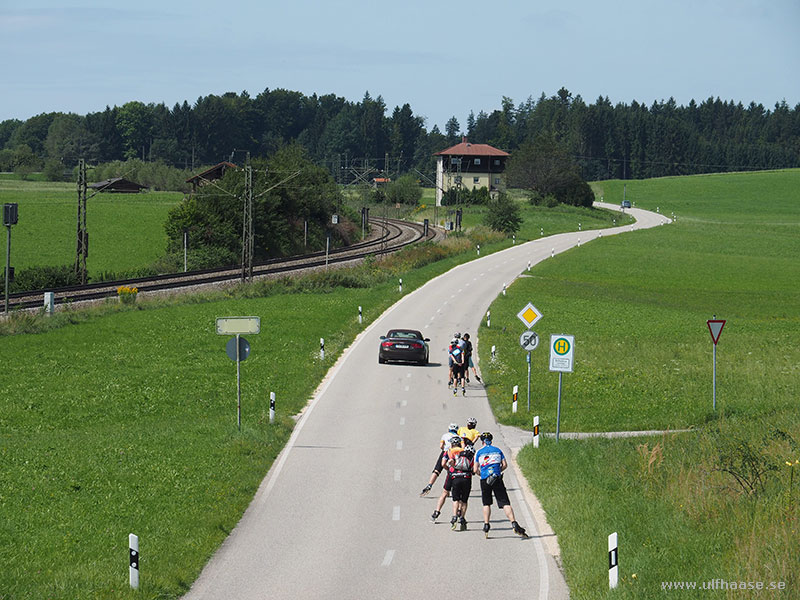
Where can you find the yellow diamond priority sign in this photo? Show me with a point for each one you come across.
(529, 315)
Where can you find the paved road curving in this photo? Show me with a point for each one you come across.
(339, 515)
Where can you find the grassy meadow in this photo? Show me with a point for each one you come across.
(122, 419)
(719, 501)
(126, 231)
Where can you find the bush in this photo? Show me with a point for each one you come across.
(41, 278)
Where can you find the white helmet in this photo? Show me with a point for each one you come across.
(453, 427)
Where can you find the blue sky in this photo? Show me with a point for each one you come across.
(443, 58)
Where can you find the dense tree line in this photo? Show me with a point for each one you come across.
(350, 138)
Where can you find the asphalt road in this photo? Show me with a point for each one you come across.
(339, 514)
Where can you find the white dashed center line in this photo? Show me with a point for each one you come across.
(402, 420)
(399, 444)
(397, 474)
(387, 560)
(396, 513)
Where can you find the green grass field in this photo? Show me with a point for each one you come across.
(126, 231)
(714, 503)
(124, 420)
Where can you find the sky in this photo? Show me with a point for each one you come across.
(443, 58)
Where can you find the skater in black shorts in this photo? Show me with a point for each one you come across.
(490, 462)
(460, 466)
(444, 444)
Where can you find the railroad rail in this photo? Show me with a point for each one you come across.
(392, 235)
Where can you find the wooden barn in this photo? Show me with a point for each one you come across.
(212, 174)
(117, 185)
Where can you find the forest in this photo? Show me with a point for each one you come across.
(623, 140)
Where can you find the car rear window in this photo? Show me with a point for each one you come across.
(409, 335)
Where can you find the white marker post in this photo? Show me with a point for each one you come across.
(514, 402)
(552, 253)
(613, 561)
(359, 316)
(529, 266)
(322, 348)
(504, 289)
(494, 352)
(536, 431)
(401, 285)
(715, 327)
(488, 318)
(541, 230)
(513, 240)
(133, 553)
(479, 249)
(272, 407)
(579, 227)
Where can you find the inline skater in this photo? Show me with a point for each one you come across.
(470, 433)
(470, 364)
(490, 462)
(452, 430)
(460, 463)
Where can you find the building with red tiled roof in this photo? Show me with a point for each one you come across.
(469, 166)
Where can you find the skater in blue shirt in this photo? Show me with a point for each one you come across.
(490, 462)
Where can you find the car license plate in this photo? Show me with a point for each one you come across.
(401, 346)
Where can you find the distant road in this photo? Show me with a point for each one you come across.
(339, 515)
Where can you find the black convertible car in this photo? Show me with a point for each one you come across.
(404, 344)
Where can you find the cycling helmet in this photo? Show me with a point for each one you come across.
(486, 437)
(469, 451)
(472, 422)
(465, 336)
(455, 441)
(457, 335)
(453, 427)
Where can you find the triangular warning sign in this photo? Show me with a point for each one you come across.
(715, 327)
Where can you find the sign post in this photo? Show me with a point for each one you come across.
(715, 328)
(529, 340)
(238, 349)
(562, 348)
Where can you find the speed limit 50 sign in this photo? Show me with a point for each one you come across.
(562, 349)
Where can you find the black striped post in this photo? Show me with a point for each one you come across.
(133, 552)
(613, 561)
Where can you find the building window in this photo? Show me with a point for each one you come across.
(497, 181)
(477, 161)
(496, 162)
(476, 180)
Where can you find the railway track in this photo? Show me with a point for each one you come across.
(392, 235)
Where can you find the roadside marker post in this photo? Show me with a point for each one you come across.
(133, 560)
(494, 352)
(562, 349)
(359, 316)
(514, 401)
(272, 407)
(529, 266)
(715, 328)
(401, 285)
(504, 289)
(479, 249)
(613, 561)
(322, 348)
(488, 318)
(238, 349)
(536, 431)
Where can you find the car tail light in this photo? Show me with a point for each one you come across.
(416, 345)
(386, 344)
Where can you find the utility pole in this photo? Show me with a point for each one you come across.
(247, 224)
(82, 251)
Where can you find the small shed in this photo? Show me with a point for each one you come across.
(212, 174)
(117, 185)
